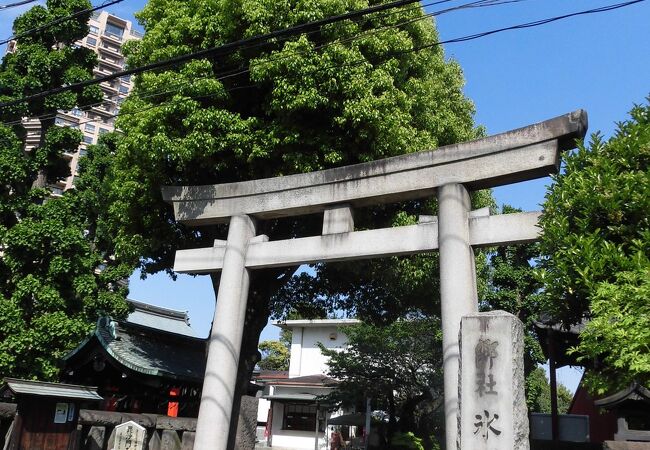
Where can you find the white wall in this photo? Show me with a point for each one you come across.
(291, 438)
(263, 406)
(306, 357)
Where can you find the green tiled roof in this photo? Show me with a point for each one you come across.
(149, 351)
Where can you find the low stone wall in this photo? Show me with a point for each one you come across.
(163, 432)
(96, 429)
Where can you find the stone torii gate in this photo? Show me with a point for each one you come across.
(450, 172)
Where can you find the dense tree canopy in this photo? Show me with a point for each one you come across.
(275, 355)
(538, 393)
(597, 238)
(509, 284)
(398, 366)
(51, 288)
(352, 91)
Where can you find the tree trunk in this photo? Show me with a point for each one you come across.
(392, 420)
(407, 413)
(41, 177)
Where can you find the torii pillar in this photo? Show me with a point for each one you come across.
(450, 172)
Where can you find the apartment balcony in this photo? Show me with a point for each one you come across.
(109, 88)
(104, 110)
(111, 38)
(112, 63)
(100, 71)
(110, 50)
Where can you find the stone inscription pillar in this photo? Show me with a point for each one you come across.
(493, 414)
(225, 340)
(458, 294)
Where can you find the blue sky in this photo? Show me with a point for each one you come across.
(600, 63)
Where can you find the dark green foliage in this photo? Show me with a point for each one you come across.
(48, 59)
(51, 288)
(397, 365)
(538, 394)
(597, 238)
(312, 102)
(508, 283)
(275, 355)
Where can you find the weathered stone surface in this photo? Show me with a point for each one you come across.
(622, 445)
(510, 157)
(110, 418)
(129, 436)
(7, 410)
(170, 440)
(154, 441)
(458, 295)
(338, 219)
(516, 228)
(95, 439)
(213, 423)
(188, 440)
(176, 423)
(492, 403)
(247, 423)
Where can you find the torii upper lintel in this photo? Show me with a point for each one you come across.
(518, 155)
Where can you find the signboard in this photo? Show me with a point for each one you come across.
(61, 413)
(129, 436)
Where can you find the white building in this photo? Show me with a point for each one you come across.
(289, 407)
(107, 33)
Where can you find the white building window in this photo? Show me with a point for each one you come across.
(114, 30)
(91, 41)
(93, 29)
(299, 417)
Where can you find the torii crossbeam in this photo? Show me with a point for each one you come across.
(450, 172)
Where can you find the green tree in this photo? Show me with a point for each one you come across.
(275, 355)
(538, 393)
(352, 92)
(597, 238)
(397, 365)
(44, 60)
(52, 289)
(508, 283)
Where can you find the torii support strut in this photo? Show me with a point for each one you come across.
(450, 172)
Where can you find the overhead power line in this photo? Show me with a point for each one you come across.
(241, 69)
(218, 50)
(245, 70)
(12, 5)
(362, 61)
(537, 23)
(58, 21)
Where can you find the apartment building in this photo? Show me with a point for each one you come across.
(106, 36)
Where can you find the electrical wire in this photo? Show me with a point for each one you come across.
(473, 4)
(220, 50)
(13, 5)
(537, 23)
(58, 21)
(362, 61)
